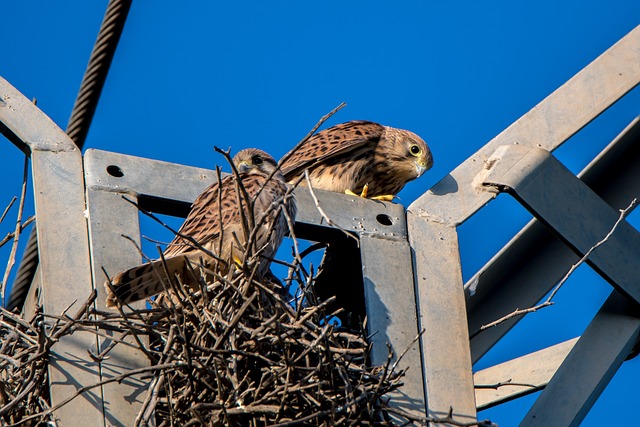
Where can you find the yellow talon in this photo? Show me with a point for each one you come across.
(365, 190)
(363, 194)
(384, 198)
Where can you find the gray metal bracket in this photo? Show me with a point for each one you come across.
(380, 228)
(64, 271)
(589, 366)
(568, 206)
(434, 217)
(536, 259)
(581, 219)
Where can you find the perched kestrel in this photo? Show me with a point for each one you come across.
(217, 227)
(360, 157)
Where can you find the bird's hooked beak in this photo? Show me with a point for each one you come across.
(423, 164)
(243, 166)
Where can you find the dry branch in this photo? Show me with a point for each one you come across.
(233, 352)
(549, 301)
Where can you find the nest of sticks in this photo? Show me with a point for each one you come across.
(236, 352)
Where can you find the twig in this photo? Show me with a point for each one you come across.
(7, 208)
(548, 301)
(508, 382)
(183, 236)
(16, 233)
(248, 222)
(311, 132)
(302, 141)
(323, 213)
(117, 378)
(10, 235)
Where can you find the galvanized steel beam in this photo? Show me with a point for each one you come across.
(65, 273)
(111, 217)
(391, 314)
(519, 377)
(582, 219)
(380, 227)
(535, 259)
(442, 316)
(589, 367)
(459, 195)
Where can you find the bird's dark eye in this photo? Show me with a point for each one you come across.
(257, 160)
(415, 150)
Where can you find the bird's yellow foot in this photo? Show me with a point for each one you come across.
(385, 198)
(365, 190)
(363, 194)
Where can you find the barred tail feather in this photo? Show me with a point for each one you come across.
(142, 281)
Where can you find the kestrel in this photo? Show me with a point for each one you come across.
(360, 157)
(215, 224)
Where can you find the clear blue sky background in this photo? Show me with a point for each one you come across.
(188, 75)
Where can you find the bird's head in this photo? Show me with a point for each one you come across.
(252, 160)
(410, 153)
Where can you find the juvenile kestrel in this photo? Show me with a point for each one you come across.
(360, 157)
(222, 235)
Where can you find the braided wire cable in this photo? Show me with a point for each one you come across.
(97, 69)
(77, 127)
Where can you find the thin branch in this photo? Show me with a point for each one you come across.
(311, 132)
(10, 235)
(549, 300)
(323, 213)
(189, 239)
(303, 140)
(241, 192)
(117, 378)
(508, 382)
(6, 210)
(16, 233)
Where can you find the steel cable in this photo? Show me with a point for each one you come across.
(78, 126)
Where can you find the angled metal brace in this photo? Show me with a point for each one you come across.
(589, 367)
(535, 259)
(581, 219)
(565, 204)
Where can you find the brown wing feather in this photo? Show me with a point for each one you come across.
(334, 141)
(203, 222)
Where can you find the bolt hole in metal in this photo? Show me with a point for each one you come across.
(114, 170)
(384, 219)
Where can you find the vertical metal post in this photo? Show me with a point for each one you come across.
(443, 316)
(65, 273)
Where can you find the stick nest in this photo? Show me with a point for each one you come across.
(237, 352)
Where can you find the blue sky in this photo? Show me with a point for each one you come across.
(261, 74)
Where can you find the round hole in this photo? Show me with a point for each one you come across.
(114, 170)
(384, 219)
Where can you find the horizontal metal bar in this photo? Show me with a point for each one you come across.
(519, 377)
(178, 183)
